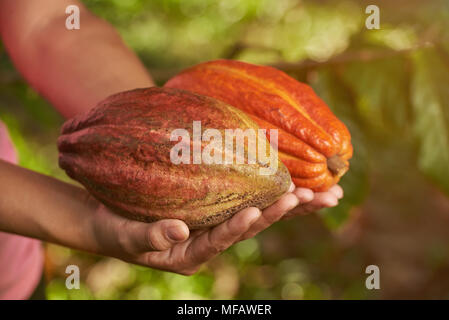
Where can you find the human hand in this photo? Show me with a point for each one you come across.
(169, 245)
(310, 202)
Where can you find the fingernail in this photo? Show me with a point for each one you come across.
(175, 234)
(332, 202)
(304, 195)
(292, 187)
(255, 216)
(340, 193)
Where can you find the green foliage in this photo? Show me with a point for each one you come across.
(431, 113)
(33, 126)
(381, 94)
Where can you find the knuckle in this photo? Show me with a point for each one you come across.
(236, 232)
(216, 245)
(235, 228)
(123, 238)
(249, 235)
(155, 241)
(220, 247)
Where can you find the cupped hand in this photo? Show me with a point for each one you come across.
(169, 245)
(310, 201)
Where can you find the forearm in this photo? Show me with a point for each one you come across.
(41, 207)
(73, 69)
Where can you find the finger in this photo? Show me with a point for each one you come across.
(337, 191)
(156, 236)
(304, 195)
(218, 239)
(292, 187)
(300, 210)
(324, 200)
(321, 200)
(272, 214)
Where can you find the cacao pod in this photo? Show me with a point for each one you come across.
(121, 152)
(313, 144)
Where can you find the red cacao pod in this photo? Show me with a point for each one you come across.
(313, 144)
(120, 151)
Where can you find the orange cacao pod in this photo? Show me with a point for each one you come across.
(121, 152)
(313, 144)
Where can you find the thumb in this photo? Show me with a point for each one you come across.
(156, 236)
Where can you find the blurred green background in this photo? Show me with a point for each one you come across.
(391, 88)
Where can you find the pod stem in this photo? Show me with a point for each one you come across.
(337, 165)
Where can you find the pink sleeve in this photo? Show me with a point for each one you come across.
(21, 258)
(7, 151)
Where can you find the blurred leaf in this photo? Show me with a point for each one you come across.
(393, 37)
(247, 250)
(381, 94)
(355, 181)
(430, 97)
(57, 290)
(306, 30)
(33, 126)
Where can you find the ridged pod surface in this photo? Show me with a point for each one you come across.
(120, 151)
(313, 143)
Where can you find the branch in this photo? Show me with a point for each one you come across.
(360, 56)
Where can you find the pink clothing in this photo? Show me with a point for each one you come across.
(21, 258)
